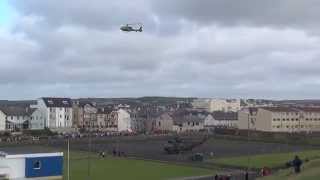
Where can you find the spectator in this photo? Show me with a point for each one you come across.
(297, 164)
(246, 176)
(216, 177)
(265, 171)
(114, 152)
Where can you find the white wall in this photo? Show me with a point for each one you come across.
(37, 120)
(44, 111)
(189, 126)
(224, 105)
(14, 166)
(124, 120)
(209, 121)
(58, 118)
(217, 104)
(2, 121)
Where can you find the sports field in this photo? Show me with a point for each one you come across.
(122, 168)
(269, 160)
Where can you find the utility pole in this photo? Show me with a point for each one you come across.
(68, 175)
(89, 152)
(248, 135)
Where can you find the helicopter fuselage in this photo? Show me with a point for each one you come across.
(128, 28)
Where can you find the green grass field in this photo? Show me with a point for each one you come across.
(269, 160)
(121, 168)
(310, 171)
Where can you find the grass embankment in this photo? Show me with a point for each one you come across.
(310, 171)
(122, 168)
(270, 160)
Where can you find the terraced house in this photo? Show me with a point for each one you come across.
(281, 119)
(84, 115)
(57, 112)
(15, 118)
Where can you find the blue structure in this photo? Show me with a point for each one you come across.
(35, 165)
(44, 166)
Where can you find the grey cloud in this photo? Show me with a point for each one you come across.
(95, 13)
(190, 48)
(281, 13)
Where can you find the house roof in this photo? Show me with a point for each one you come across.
(187, 118)
(182, 116)
(84, 103)
(57, 102)
(104, 110)
(281, 109)
(220, 115)
(17, 111)
(309, 109)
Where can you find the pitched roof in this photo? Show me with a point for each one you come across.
(182, 116)
(84, 103)
(104, 110)
(17, 111)
(187, 118)
(280, 109)
(57, 102)
(309, 109)
(220, 115)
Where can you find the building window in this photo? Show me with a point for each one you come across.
(37, 165)
(197, 123)
(158, 123)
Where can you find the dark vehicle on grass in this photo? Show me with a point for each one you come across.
(178, 145)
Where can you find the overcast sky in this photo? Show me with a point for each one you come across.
(207, 48)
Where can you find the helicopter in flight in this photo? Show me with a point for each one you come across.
(130, 28)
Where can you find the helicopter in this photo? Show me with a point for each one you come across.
(130, 28)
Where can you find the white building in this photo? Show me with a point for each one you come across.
(15, 118)
(2, 121)
(211, 105)
(57, 112)
(124, 120)
(225, 119)
(37, 120)
(188, 121)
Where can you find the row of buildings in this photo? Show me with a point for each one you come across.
(280, 119)
(63, 114)
(212, 105)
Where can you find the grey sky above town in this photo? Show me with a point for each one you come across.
(207, 48)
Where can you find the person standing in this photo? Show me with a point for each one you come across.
(297, 164)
